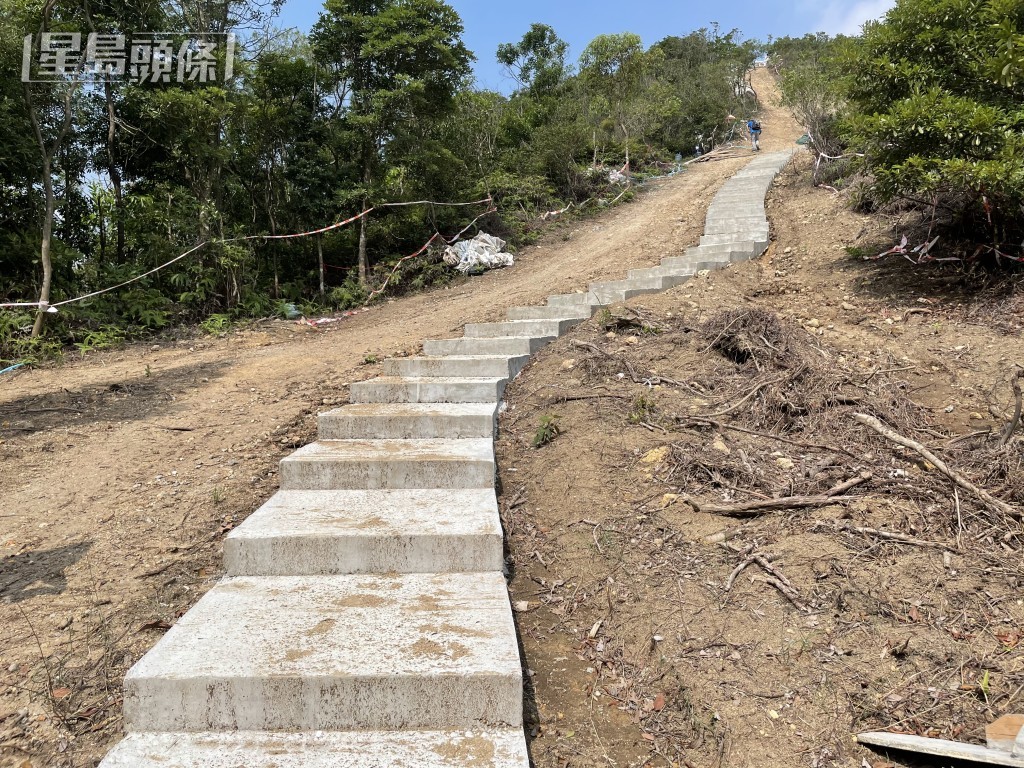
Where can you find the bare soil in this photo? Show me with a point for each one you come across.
(121, 473)
(666, 622)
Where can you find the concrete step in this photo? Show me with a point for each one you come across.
(706, 251)
(507, 345)
(309, 533)
(587, 298)
(464, 366)
(398, 421)
(670, 276)
(754, 206)
(529, 328)
(744, 200)
(734, 226)
(490, 748)
(402, 389)
(620, 290)
(693, 263)
(573, 312)
(329, 653)
(726, 217)
(747, 236)
(329, 465)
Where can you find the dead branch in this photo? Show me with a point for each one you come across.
(739, 568)
(753, 392)
(768, 435)
(1012, 425)
(723, 536)
(635, 377)
(990, 500)
(890, 536)
(790, 594)
(754, 508)
(968, 436)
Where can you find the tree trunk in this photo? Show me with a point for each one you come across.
(364, 264)
(320, 261)
(101, 225)
(114, 171)
(47, 155)
(44, 248)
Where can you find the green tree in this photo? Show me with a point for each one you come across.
(537, 61)
(619, 69)
(394, 63)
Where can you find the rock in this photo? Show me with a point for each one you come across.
(847, 306)
(975, 416)
(568, 365)
(632, 340)
(787, 250)
(785, 463)
(719, 445)
(813, 323)
(655, 455)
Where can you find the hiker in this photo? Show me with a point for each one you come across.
(755, 134)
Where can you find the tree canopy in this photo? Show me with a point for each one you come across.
(128, 171)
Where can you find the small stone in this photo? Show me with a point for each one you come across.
(813, 323)
(521, 606)
(632, 340)
(610, 335)
(719, 445)
(847, 306)
(787, 250)
(568, 365)
(785, 463)
(655, 455)
(975, 416)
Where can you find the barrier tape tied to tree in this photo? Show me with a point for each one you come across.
(52, 308)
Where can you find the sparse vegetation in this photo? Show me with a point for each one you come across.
(547, 431)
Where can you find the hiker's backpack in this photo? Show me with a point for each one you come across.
(755, 126)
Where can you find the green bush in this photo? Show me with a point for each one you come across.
(936, 124)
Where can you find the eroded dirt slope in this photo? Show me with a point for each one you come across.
(669, 615)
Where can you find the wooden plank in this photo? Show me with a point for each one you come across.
(1002, 734)
(940, 748)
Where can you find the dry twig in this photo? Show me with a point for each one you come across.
(753, 508)
(889, 536)
(939, 464)
(1012, 425)
(769, 435)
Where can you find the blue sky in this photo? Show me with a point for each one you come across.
(488, 23)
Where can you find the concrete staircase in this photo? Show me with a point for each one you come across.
(364, 619)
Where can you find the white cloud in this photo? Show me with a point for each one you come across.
(842, 18)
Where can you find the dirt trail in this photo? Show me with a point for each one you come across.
(121, 473)
(648, 645)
